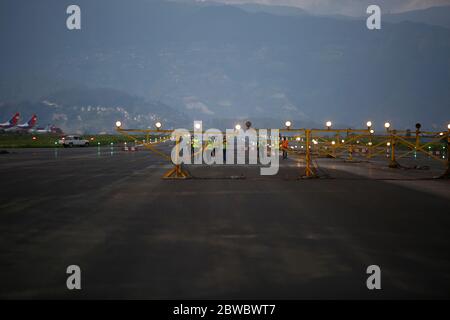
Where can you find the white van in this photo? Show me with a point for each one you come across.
(73, 141)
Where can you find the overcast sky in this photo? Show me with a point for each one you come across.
(348, 7)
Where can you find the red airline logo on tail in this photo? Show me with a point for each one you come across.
(11, 123)
(15, 119)
(32, 121)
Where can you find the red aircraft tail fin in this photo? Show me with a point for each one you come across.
(32, 121)
(15, 119)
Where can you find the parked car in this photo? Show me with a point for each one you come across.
(74, 141)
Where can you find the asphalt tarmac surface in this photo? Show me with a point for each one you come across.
(136, 236)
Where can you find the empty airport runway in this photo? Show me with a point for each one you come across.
(137, 236)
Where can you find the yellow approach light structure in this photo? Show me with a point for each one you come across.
(329, 142)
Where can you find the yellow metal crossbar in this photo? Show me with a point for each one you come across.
(384, 144)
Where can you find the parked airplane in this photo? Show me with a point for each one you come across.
(25, 127)
(11, 123)
(47, 129)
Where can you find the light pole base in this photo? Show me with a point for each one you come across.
(394, 165)
(177, 173)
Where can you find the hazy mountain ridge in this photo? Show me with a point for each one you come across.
(272, 9)
(84, 110)
(438, 16)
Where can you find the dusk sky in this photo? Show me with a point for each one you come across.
(347, 7)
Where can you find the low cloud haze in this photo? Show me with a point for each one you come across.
(346, 7)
